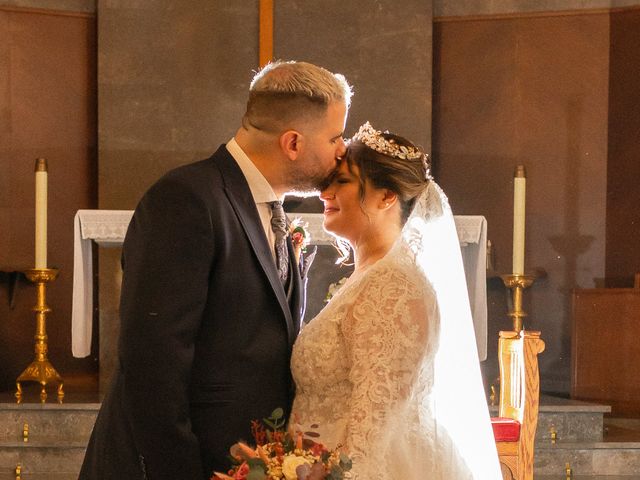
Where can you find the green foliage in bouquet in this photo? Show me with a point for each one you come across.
(276, 421)
(284, 455)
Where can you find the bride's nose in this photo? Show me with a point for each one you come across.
(327, 194)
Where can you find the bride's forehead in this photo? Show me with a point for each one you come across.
(348, 167)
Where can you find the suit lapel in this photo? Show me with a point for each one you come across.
(239, 195)
(295, 291)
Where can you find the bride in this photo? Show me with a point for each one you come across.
(389, 369)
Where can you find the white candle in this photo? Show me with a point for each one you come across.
(41, 213)
(519, 192)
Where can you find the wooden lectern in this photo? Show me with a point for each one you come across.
(605, 352)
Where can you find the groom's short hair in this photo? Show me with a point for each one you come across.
(284, 94)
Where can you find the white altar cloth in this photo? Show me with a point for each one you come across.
(108, 228)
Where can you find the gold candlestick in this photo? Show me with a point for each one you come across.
(41, 370)
(517, 283)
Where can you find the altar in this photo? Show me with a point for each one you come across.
(107, 228)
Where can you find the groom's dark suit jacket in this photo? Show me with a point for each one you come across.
(206, 330)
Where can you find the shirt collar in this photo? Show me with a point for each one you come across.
(259, 186)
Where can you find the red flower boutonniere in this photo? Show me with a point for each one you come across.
(300, 237)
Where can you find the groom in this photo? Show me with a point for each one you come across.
(211, 299)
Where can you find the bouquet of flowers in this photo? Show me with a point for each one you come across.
(284, 455)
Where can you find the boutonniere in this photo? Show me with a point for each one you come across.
(300, 238)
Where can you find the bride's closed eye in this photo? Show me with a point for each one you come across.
(328, 181)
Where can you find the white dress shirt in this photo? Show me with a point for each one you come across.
(261, 191)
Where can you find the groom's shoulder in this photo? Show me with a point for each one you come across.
(207, 167)
(202, 173)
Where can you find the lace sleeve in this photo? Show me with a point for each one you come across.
(389, 329)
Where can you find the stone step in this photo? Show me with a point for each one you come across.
(58, 434)
(42, 458)
(40, 476)
(572, 420)
(588, 459)
(586, 477)
(45, 426)
(50, 422)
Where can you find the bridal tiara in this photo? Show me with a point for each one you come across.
(373, 139)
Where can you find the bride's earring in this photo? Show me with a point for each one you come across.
(387, 199)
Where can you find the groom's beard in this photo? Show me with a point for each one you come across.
(309, 182)
(303, 193)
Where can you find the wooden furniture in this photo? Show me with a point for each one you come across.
(605, 352)
(515, 427)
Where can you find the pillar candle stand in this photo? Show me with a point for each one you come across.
(517, 283)
(41, 370)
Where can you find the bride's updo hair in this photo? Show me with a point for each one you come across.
(389, 162)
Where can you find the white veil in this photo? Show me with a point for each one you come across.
(458, 398)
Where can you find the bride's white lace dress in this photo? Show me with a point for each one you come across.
(365, 370)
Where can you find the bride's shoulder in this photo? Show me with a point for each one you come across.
(393, 272)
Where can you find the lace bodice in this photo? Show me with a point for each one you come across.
(363, 369)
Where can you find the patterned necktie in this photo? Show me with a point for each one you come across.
(279, 227)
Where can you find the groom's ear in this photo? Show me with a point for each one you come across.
(290, 143)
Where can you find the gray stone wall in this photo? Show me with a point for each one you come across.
(172, 82)
(384, 51)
